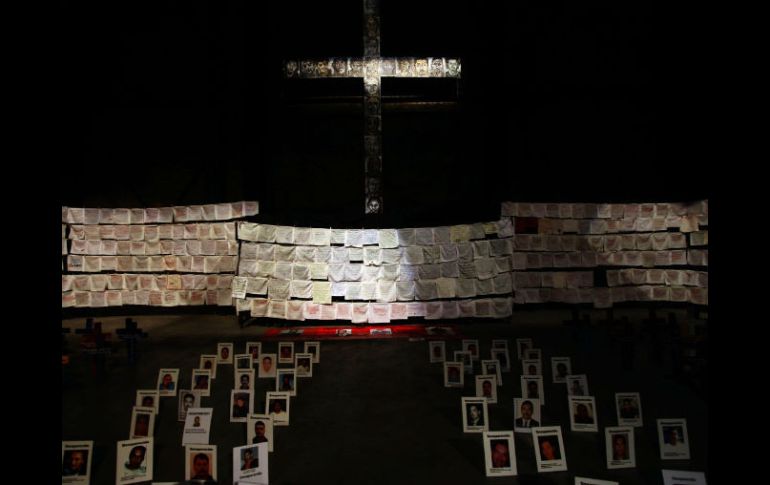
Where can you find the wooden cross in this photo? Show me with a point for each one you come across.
(131, 334)
(371, 67)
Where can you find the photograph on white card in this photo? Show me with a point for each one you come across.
(549, 449)
(499, 343)
(200, 463)
(197, 426)
(303, 363)
(314, 348)
(437, 351)
(680, 477)
(242, 361)
(453, 374)
(76, 458)
(472, 346)
(593, 481)
(187, 399)
(526, 414)
(167, 379)
(522, 345)
(286, 381)
(224, 353)
(244, 379)
(502, 356)
(673, 440)
(201, 381)
(532, 367)
(277, 406)
(267, 366)
(241, 405)
(486, 387)
(582, 413)
(619, 442)
(259, 429)
(148, 398)
(209, 361)
(464, 356)
(561, 367)
(492, 367)
(134, 463)
(499, 453)
(285, 352)
(250, 464)
(474, 414)
(577, 385)
(254, 349)
(629, 408)
(532, 388)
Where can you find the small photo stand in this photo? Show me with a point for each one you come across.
(499, 453)
(465, 357)
(437, 351)
(501, 355)
(277, 407)
(134, 461)
(197, 426)
(526, 414)
(286, 381)
(201, 381)
(582, 413)
(167, 379)
(224, 353)
(200, 462)
(492, 367)
(475, 414)
(549, 449)
(577, 385)
(242, 361)
(620, 447)
(472, 346)
(499, 343)
(241, 405)
(561, 367)
(187, 399)
(250, 464)
(673, 440)
(303, 362)
(209, 361)
(314, 348)
(285, 352)
(76, 461)
(532, 388)
(254, 349)
(486, 387)
(259, 429)
(522, 345)
(533, 354)
(629, 408)
(148, 398)
(593, 481)
(244, 379)
(678, 477)
(453, 374)
(267, 366)
(531, 367)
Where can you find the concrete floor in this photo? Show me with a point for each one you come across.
(376, 411)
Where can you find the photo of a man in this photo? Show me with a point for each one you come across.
(135, 466)
(75, 462)
(526, 412)
(267, 365)
(201, 467)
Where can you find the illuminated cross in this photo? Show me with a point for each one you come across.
(371, 67)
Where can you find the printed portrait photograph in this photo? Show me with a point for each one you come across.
(629, 408)
(314, 349)
(167, 379)
(531, 367)
(577, 385)
(148, 398)
(134, 461)
(244, 380)
(582, 413)
(499, 453)
(453, 374)
(465, 357)
(620, 447)
(142, 422)
(303, 363)
(241, 405)
(472, 346)
(254, 349)
(286, 381)
(243, 361)
(209, 362)
(492, 367)
(187, 399)
(267, 365)
(201, 462)
(673, 440)
(532, 388)
(260, 430)
(277, 406)
(526, 414)
(486, 387)
(76, 461)
(474, 415)
(224, 353)
(437, 349)
(549, 449)
(561, 367)
(201, 381)
(501, 355)
(285, 352)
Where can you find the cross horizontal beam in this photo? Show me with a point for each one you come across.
(359, 67)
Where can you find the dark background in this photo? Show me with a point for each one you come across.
(168, 103)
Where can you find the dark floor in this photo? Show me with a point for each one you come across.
(376, 411)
